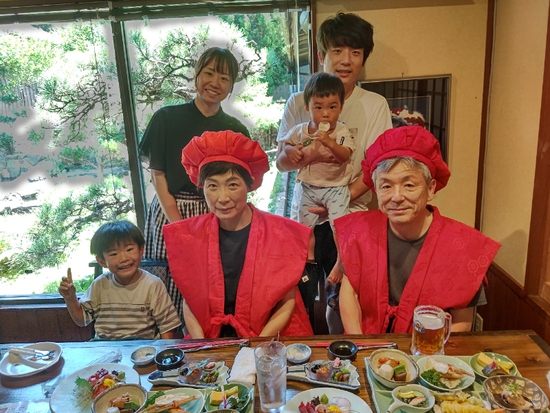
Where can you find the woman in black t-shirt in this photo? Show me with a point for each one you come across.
(170, 129)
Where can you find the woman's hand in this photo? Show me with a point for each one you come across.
(166, 199)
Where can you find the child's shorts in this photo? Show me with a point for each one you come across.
(335, 199)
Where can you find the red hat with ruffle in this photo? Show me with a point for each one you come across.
(414, 141)
(226, 146)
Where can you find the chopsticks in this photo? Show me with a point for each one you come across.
(205, 345)
(364, 345)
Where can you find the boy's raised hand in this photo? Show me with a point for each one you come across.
(67, 288)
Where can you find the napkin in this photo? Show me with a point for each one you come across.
(244, 367)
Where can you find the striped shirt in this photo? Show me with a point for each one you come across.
(140, 310)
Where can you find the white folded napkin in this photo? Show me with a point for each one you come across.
(244, 367)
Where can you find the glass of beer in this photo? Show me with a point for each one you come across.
(431, 330)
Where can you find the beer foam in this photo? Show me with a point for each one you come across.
(431, 322)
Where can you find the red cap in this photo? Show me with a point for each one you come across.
(413, 141)
(226, 146)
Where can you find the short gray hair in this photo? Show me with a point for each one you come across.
(387, 164)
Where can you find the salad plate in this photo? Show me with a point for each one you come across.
(62, 399)
(171, 378)
(14, 365)
(357, 404)
(194, 406)
(299, 373)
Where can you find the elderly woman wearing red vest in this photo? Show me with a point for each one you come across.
(237, 267)
(405, 253)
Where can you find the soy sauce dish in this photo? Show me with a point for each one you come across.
(169, 359)
(343, 349)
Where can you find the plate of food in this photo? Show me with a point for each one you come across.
(237, 397)
(343, 375)
(392, 367)
(76, 392)
(471, 400)
(21, 362)
(444, 373)
(488, 364)
(335, 401)
(192, 400)
(214, 374)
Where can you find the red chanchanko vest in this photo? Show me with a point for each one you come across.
(274, 262)
(448, 271)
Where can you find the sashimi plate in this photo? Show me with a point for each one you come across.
(62, 400)
(357, 404)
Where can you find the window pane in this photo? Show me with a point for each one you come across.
(63, 159)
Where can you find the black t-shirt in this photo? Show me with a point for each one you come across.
(170, 129)
(232, 251)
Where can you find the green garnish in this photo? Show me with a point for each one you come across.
(121, 375)
(80, 382)
(433, 377)
(324, 399)
(150, 400)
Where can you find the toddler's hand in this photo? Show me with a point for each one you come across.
(335, 275)
(294, 153)
(323, 137)
(66, 287)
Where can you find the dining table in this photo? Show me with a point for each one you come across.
(27, 394)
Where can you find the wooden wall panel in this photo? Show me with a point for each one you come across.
(25, 324)
(510, 308)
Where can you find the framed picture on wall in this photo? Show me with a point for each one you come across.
(422, 101)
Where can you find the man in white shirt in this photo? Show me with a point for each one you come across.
(344, 42)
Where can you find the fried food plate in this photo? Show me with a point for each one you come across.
(194, 406)
(465, 382)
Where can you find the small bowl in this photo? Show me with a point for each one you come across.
(345, 350)
(398, 402)
(404, 358)
(143, 355)
(169, 359)
(423, 363)
(190, 373)
(313, 370)
(298, 353)
(137, 394)
(493, 387)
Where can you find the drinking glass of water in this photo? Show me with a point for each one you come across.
(270, 357)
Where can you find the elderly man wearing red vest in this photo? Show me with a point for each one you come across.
(405, 253)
